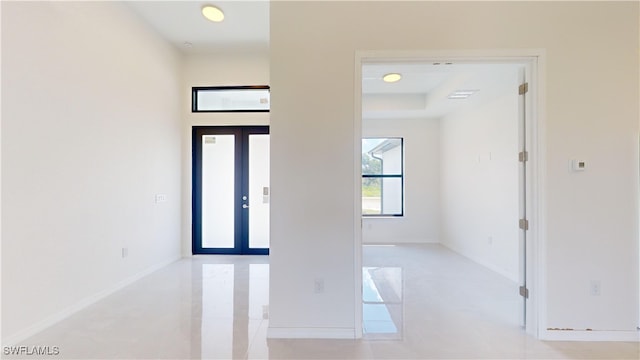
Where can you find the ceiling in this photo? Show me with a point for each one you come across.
(421, 93)
(246, 24)
(425, 86)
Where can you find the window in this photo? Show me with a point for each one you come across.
(382, 177)
(230, 99)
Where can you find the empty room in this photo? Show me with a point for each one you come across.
(454, 230)
(441, 190)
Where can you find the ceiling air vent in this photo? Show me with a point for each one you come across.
(461, 94)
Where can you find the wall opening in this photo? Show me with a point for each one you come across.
(465, 189)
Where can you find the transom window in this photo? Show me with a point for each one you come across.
(382, 177)
(230, 99)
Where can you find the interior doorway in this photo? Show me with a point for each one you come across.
(231, 191)
(481, 198)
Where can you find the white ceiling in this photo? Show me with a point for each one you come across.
(424, 88)
(246, 23)
(422, 92)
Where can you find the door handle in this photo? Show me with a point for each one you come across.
(245, 206)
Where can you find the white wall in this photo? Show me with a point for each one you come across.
(422, 185)
(225, 68)
(479, 183)
(90, 133)
(592, 107)
(1, 167)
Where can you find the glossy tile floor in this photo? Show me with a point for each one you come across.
(420, 302)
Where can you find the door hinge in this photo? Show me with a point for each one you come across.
(524, 224)
(523, 156)
(524, 292)
(523, 89)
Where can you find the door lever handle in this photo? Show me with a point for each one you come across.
(245, 206)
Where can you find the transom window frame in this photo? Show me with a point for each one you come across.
(388, 176)
(196, 89)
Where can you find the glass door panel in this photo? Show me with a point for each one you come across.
(259, 191)
(218, 189)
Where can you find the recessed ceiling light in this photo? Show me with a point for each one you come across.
(392, 77)
(212, 13)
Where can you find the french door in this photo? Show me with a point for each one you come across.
(231, 190)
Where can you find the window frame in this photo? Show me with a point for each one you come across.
(196, 89)
(387, 176)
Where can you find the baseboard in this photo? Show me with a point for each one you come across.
(589, 335)
(398, 241)
(488, 265)
(82, 304)
(311, 333)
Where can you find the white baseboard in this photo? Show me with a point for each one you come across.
(82, 304)
(311, 333)
(486, 264)
(396, 241)
(587, 335)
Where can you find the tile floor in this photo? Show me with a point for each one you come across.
(422, 302)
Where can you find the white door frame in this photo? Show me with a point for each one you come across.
(535, 61)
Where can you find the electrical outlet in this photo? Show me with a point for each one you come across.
(318, 286)
(595, 287)
(578, 165)
(160, 198)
